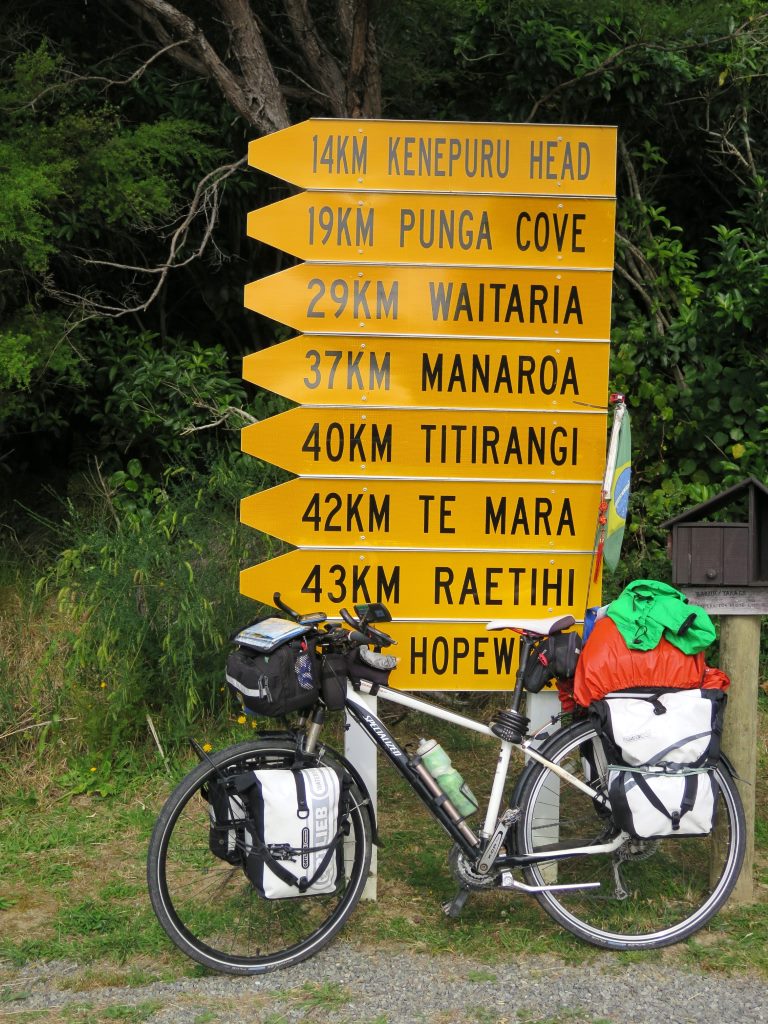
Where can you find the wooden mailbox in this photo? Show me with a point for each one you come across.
(709, 552)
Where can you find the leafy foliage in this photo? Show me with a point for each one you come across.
(145, 586)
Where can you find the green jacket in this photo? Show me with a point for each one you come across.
(646, 610)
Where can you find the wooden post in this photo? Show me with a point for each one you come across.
(739, 659)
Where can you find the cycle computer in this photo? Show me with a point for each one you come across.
(373, 612)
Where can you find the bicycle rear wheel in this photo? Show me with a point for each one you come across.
(673, 886)
(210, 909)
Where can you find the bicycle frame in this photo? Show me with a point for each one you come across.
(470, 842)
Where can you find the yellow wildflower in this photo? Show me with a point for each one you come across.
(93, 769)
(241, 720)
(103, 684)
(207, 748)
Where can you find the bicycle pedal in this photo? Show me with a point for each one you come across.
(453, 908)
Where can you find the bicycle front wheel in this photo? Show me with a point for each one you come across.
(210, 909)
(651, 893)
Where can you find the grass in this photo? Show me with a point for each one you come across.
(72, 885)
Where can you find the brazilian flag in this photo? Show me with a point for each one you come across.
(619, 501)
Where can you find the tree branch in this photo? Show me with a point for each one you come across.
(320, 65)
(205, 200)
(256, 96)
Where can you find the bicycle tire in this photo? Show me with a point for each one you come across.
(208, 907)
(674, 885)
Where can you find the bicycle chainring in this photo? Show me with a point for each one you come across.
(465, 874)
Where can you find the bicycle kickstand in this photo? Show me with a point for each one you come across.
(452, 908)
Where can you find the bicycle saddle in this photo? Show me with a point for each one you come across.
(539, 627)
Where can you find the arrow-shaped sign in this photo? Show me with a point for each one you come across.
(442, 156)
(421, 372)
(426, 584)
(427, 514)
(397, 227)
(388, 443)
(337, 298)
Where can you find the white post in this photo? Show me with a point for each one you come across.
(361, 751)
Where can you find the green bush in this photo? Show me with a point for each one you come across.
(147, 595)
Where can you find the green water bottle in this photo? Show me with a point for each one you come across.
(439, 766)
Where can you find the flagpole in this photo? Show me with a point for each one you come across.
(620, 408)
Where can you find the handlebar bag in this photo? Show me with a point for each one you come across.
(277, 682)
(660, 746)
(294, 830)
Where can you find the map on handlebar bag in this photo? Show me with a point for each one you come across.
(270, 633)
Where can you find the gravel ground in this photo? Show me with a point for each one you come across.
(342, 985)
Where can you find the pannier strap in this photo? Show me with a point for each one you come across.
(689, 798)
(678, 743)
(302, 811)
(262, 852)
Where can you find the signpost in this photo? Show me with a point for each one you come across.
(468, 584)
(401, 443)
(452, 371)
(451, 375)
(309, 512)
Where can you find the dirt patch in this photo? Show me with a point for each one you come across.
(30, 917)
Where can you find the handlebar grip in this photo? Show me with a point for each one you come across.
(279, 603)
(349, 619)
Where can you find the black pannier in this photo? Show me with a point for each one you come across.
(274, 669)
(552, 657)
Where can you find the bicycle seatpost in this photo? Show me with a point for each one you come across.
(509, 723)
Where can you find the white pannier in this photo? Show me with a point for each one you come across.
(284, 826)
(660, 746)
(296, 846)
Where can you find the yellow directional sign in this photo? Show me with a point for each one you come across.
(444, 156)
(336, 298)
(398, 227)
(427, 514)
(387, 443)
(446, 372)
(453, 655)
(426, 584)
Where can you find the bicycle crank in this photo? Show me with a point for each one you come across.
(490, 853)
